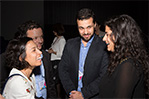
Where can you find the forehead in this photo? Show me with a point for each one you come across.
(108, 30)
(30, 44)
(85, 22)
(35, 32)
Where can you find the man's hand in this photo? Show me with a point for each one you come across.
(76, 95)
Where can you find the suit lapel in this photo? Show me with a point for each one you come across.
(90, 53)
(78, 43)
(43, 60)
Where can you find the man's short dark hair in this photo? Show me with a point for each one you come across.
(85, 13)
(23, 28)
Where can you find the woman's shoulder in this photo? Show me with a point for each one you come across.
(17, 86)
(130, 64)
(62, 39)
(127, 61)
(17, 81)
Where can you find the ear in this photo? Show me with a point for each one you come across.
(20, 57)
(95, 24)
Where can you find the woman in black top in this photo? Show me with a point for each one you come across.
(128, 72)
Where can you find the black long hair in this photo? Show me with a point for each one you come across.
(128, 43)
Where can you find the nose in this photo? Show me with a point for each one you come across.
(85, 31)
(39, 51)
(104, 38)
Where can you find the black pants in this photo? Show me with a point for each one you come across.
(60, 90)
(55, 71)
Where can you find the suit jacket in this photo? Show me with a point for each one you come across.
(94, 68)
(51, 90)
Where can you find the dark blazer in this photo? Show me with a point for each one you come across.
(51, 90)
(94, 68)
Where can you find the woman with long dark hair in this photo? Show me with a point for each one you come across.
(128, 72)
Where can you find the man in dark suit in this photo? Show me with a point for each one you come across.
(45, 85)
(84, 60)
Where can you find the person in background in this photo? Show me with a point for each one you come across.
(56, 51)
(22, 55)
(128, 71)
(98, 30)
(84, 60)
(45, 85)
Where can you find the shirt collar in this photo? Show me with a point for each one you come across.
(89, 42)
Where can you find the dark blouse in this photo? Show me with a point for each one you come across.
(125, 82)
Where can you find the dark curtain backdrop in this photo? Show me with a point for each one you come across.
(47, 13)
(65, 11)
(15, 12)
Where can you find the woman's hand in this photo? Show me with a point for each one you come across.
(51, 51)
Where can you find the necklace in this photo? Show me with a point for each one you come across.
(123, 60)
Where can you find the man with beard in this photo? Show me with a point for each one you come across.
(84, 60)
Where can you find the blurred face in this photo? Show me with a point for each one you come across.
(86, 28)
(107, 38)
(33, 54)
(54, 33)
(97, 30)
(37, 36)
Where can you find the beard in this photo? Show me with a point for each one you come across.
(86, 39)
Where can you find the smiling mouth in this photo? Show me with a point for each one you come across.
(39, 58)
(86, 35)
(107, 43)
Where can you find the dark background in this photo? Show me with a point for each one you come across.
(50, 12)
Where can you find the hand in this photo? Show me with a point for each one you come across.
(76, 95)
(1, 97)
(51, 51)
